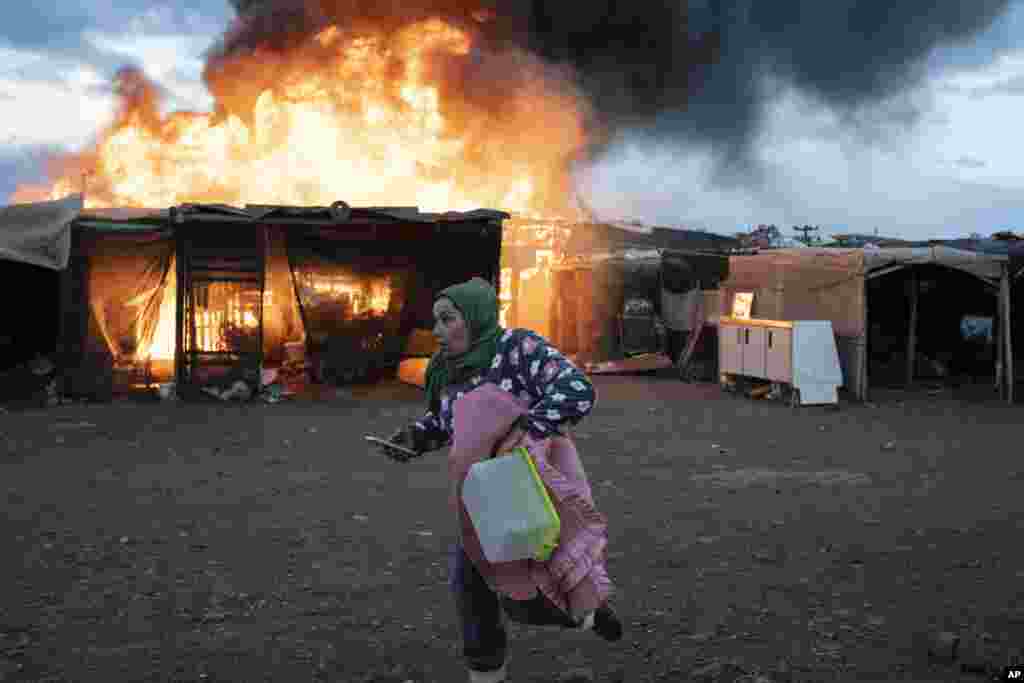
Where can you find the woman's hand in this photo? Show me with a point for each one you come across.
(402, 438)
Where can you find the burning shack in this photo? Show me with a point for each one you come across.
(621, 292)
(204, 295)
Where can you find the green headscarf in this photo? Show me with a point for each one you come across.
(478, 303)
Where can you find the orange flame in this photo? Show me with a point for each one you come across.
(370, 118)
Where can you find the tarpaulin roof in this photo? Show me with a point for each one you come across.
(1017, 258)
(119, 218)
(124, 214)
(981, 258)
(588, 238)
(39, 233)
(339, 213)
(826, 283)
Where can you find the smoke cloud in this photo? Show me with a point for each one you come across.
(699, 71)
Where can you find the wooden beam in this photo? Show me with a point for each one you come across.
(1007, 336)
(863, 357)
(66, 344)
(912, 333)
(999, 384)
(179, 307)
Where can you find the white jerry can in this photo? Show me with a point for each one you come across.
(510, 508)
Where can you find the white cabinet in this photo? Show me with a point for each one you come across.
(754, 341)
(778, 361)
(801, 353)
(730, 355)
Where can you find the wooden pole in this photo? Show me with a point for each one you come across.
(1007, 334)
(65, 342)
(862, 367)
(912, 334)
(999, 384)
(179, 305)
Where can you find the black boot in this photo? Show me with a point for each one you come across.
(607, 624)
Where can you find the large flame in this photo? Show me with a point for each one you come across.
(406, 118)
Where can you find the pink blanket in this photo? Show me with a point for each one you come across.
(575, 578)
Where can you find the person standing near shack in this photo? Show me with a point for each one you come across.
(490, 390)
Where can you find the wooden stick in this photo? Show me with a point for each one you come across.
(1007, 335)
(912, 334)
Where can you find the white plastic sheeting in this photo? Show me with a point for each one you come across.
(39, 233)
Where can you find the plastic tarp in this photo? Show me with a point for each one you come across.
(586, 303)
(987, 266)
(39, 233)
(802, 284)
(340, 213)
(123, 217)
(592, 238)
(681, 272)
(132, 299)
(1016, 256)
(828, 284)
(282, 320)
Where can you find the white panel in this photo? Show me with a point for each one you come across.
(778, 355)
(815, 361)
(730, 359)
(816, 394)
(754, 351)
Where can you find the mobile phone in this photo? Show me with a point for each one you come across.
(376, 441)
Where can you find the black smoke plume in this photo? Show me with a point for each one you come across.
(696, 70)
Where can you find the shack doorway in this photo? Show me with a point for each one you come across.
(956, 334)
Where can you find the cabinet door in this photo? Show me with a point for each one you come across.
(754, 351)
(730, 358)
(779, 355)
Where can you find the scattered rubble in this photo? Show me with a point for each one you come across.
(32, 383)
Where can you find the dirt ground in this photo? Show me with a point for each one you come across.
(216, 542)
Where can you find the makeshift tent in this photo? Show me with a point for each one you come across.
(639, 302)
(605, 297)
(114, 289)
(204, 294)
(833, 284)
(35, 240)
(531, 246)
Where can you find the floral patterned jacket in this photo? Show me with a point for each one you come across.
(528, 367)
